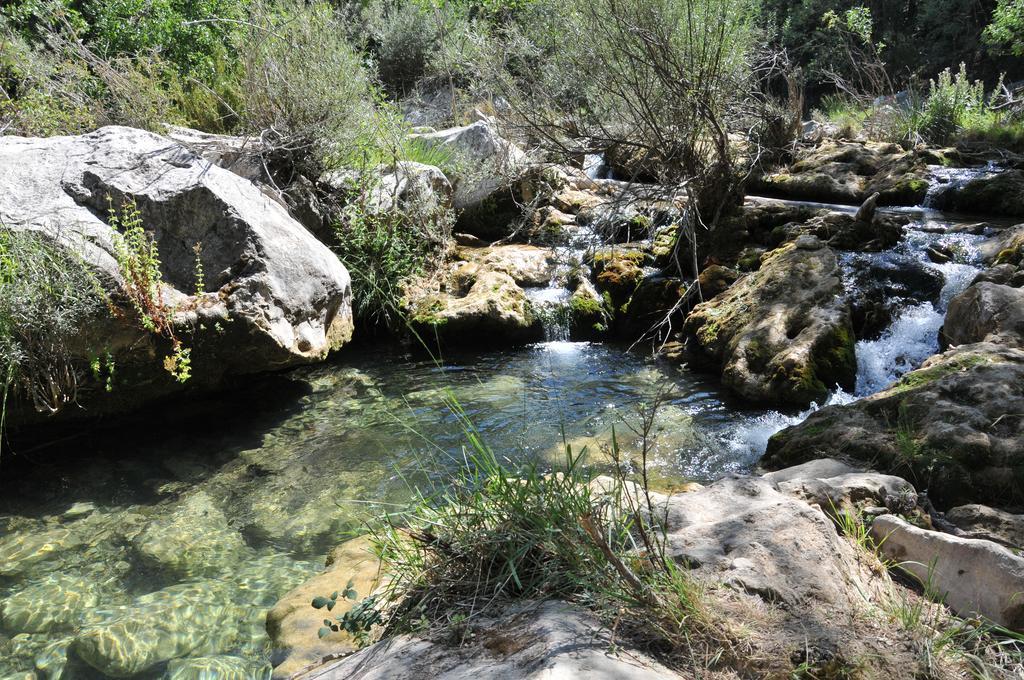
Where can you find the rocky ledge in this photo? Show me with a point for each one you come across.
(774, 568)
(271, 295)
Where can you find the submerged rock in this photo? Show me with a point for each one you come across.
(278, 297)
(193, 540)
(217, 668)
(953, 426)
(58, 601)
(187, 619)
(782, 334)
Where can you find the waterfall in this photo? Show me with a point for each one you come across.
(913, 335)
(551, 305)
(953, 179)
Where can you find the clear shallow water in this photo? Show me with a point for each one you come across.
(180, 537)
(173, 540)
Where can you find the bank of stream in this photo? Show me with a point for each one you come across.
(146, 544)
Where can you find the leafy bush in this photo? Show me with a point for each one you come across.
(385, 250)
(46, 297)
(305, 84)
(1007, 28)
(138, 260)
(404, 34)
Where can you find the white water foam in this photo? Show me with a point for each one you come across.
(749, 441)
(914, 334)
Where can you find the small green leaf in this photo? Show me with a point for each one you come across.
(334, 595)
(320, 602)
(323, 632)
(330, 605)
(327, 622)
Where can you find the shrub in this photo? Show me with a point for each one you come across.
(46, 297)
(305, 87)
(385, 250)
(404, 34)
(488, 534)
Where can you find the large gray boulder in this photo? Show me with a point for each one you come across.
(274, 295)
(489, 167)
(985, 312)
(971, 576)
(782, 335)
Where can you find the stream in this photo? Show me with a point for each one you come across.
(175, 538)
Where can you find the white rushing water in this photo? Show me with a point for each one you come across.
(912, 337)
(914, 334)
(948, 179)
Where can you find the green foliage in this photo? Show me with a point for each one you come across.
(193, 35)
(302, 79)
(46, 297)
(489, 534)
(138, 260)
(405, 34)
(1006, 31)
(385, 249)
(357, 621)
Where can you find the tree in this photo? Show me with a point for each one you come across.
(1006, 31)
(664, 83)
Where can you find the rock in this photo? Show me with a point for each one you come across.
(853, 488)
(494, 309)
(849, 172)
(277, 296)
(293, 622)
(485, 195)
(192, 540)
(866, 211)
(985, 312)
(527, 265)
(819, 468)
(845, 232)
(784, 560)
(1000, 193)
(589, 315)
(243, 156)
(969, 575)
(990, 524)
(20, 552)
(953, 427)
(1007, 247)
(533, 641)
(618, 272)
(782, 334)
(398, 187)
(219, 667)
(649, 304)
(58, 601)
(190, 619)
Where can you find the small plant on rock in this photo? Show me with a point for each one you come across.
(138, 259)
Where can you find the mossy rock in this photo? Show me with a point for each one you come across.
(782, 335)
(953, 427)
